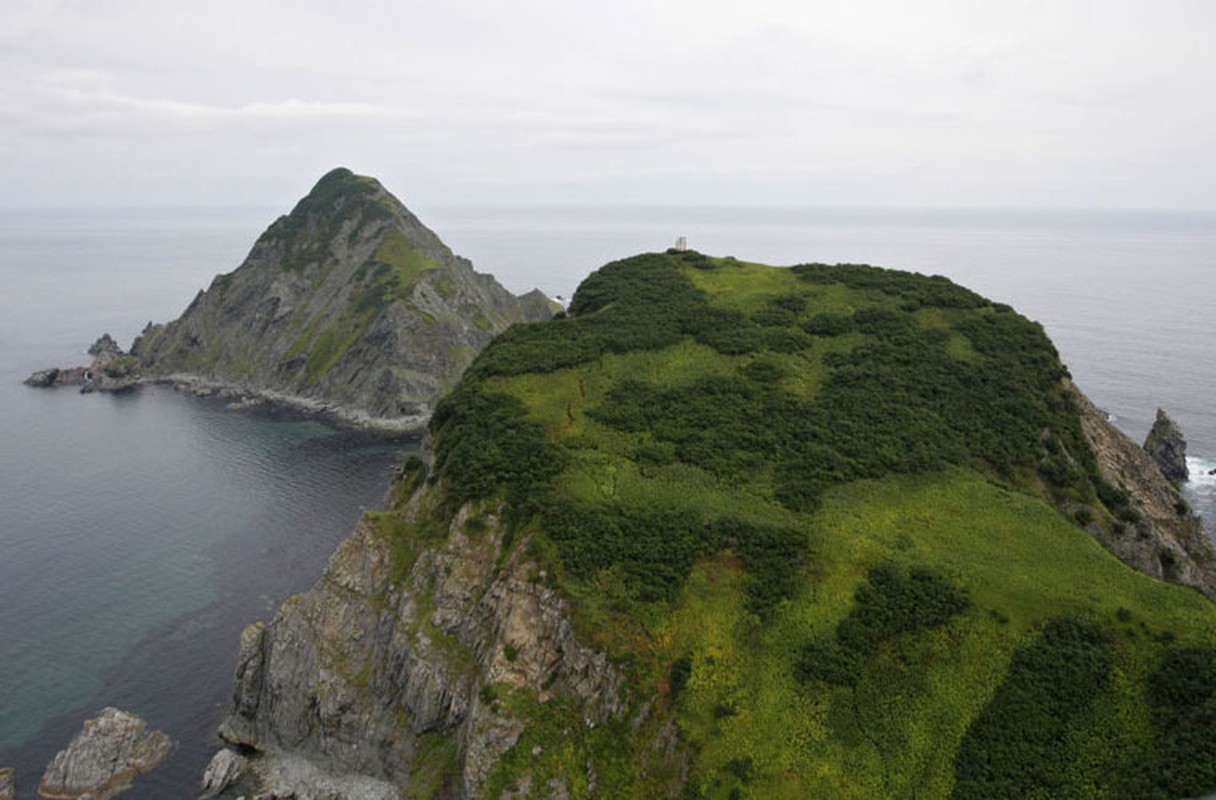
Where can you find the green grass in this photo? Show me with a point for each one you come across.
(895, 733)
(721, 464)
(408, 262)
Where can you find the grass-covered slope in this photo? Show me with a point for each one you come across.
(813, 516)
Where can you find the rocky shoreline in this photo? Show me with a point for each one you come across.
(111, 370)
(114, 371)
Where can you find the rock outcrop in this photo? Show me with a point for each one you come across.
(111, 370)
(104, 758)
(382, 669)
(8, 784)
(1161, 537)
(226, 769)
(1167, 447)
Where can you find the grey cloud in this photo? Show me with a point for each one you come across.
(877, 101)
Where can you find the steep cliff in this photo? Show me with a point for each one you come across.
(348, 302)
(736, 531)
(387, 668)
(1156, 533)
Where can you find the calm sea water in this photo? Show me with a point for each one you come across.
(140, 533)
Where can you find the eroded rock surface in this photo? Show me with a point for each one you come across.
(1167, 447)
(1165, 539)
(364, 671)
(225, 769)
(104, 758)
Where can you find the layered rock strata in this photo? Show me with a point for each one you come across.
(378, 673)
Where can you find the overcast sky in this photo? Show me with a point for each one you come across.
(1058, 104)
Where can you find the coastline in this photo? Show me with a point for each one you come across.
(243, 397)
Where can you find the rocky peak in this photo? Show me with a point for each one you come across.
(105, 348)
(1167, 446)
(344, 203)
(348, 305)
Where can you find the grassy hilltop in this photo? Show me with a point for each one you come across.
(828, 521)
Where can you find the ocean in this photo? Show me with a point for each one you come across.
(140, 533)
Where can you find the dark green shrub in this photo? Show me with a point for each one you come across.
(678, 675)
(1019, 745)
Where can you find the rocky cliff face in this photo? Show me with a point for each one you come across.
(349, 302)
(382, 670)
(1160, 536)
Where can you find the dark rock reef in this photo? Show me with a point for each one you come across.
(1167, 447)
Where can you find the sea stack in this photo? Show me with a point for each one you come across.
(1167, 446)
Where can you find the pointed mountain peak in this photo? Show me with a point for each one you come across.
(338, 189)
(340, 204)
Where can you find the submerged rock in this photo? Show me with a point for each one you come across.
(104, 758)
(1167, 446)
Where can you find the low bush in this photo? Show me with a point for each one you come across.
(1023, 742)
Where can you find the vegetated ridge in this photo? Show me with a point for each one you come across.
(727, 531)
(347, 303)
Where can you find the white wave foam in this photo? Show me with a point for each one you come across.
(1201, 470)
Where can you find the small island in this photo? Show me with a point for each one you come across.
(348, 307)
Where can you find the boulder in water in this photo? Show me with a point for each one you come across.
(104, 758)
(225, 769)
